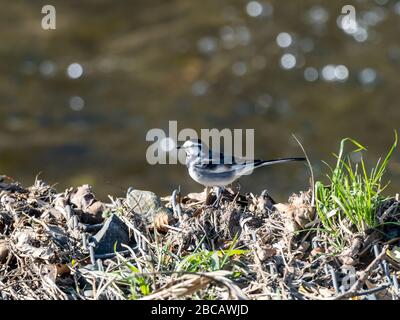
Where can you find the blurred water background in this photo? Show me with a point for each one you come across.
(76, 102)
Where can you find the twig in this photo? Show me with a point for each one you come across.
(311, 171)
(363, 275)
(176, 206)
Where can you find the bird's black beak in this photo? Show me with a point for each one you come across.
(178, 147)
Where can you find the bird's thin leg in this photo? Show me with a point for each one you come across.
(219, 196)
(207, 191)
(238, 186)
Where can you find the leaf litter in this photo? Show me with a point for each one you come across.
(182, 247)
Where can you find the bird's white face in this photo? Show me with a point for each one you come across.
(193, 147)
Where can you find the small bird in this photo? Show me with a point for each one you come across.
(218, 170)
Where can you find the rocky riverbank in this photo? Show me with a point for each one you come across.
(69, 245)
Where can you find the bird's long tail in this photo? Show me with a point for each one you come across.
(250, 166)
(261, 163)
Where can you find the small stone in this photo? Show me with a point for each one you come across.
(146, 203)
(88, 293)
(113, 231)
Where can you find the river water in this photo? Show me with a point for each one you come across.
(76, 102)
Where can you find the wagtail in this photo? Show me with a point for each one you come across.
(218, 170)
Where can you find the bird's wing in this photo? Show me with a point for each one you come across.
(222, 158)
(212, 167)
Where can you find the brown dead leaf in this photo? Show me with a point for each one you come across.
(301, 249)
(262, 204)
(160, 221)
(304, 246)
(317, 250)
(350, 255)
(265, 252)
(210, 199)
(298, 210)
(24, 243)
(49, 272)
(4, 251)
(198, 212)
(91, 209)
(93, 214)
(83, 197)
(196, 196)
(325, 292)
(52, 271)
(62, 269)
(56, 214)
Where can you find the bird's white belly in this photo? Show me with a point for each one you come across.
(218, 180)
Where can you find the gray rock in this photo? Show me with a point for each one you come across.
(146, 203)
(113, 231)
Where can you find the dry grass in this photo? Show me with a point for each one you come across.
(245, 249)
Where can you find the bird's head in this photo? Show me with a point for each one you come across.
(193, 147)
